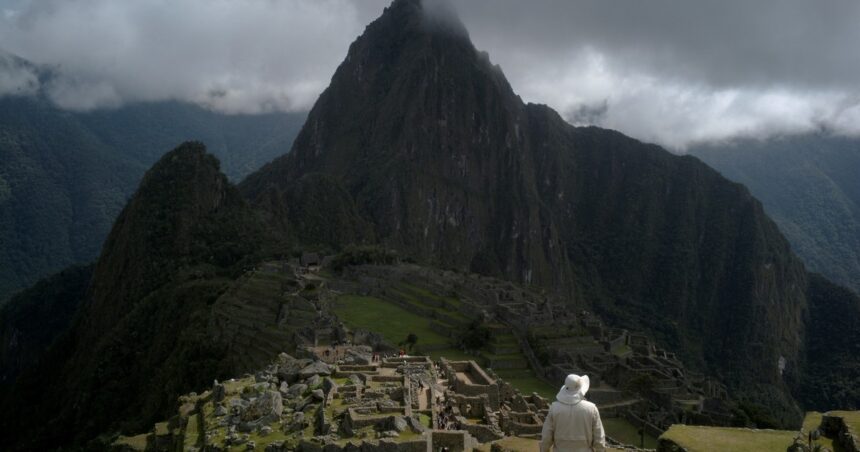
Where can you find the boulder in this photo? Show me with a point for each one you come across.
(314, 380)
(416, 425)
(268, 403)
(276, 446)
(318, 394)
(283, 388)
(237, 405)
(359, 358)
(356, 380)
(260, 387)
(396, 423)
(284, 358)
(298, 423)
(289, 370)
(265, 430)
(296, 390)
(315, 368)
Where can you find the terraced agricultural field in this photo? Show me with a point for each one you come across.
(527, 382)
(394, 323)
(707, 439)
(622, 430)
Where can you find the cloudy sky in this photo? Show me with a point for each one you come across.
(670, 71)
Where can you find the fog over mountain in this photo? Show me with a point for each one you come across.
(674, 73)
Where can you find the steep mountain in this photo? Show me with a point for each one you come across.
(63, 188)
(65, 176)
(141, 337)
(449, 166)
(36, 317)
(809, 186)
(832, 347)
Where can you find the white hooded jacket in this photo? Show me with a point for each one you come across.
(573, 426)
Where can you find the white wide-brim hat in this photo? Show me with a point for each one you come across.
(574, 389)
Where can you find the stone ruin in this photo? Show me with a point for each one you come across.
(403, 403)
(348, 400)
(579, 343)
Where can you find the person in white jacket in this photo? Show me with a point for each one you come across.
(573, 423)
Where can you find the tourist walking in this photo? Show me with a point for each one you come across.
(573, 423)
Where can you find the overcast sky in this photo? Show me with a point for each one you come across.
(669, 71)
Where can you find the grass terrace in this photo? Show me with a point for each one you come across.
(852, 418)
(527, 382)
(136, 443)
(622, 430)
(425, 300)
(424, 293)
(395, 323)
(707, 439)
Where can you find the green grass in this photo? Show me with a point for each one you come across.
(707, 439)
(621, 351)
(527, 382)
(388, 319)
(425, 420)
(161, 429)
(427, 294)
(622, 430)
(493, 356)
(192, 431)
(137, 442)
(810, 423)
(452, 354)
(504, 339)
(852, 418)
(413, 300)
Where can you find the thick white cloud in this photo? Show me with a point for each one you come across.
(17, 78)
(232, 55)
(588, 88)
(660, 70)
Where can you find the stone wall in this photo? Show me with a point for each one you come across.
(834, 426)
(482, 433)
(384, 445)
(454, 440)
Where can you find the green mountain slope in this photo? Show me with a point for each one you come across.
(64, 188)
(65, 176)
(809, 185)
(140, 336)
(36, 317)
(832, 347)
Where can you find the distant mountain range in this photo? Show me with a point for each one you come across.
(65, 176)
(420, 145)
(810, 185)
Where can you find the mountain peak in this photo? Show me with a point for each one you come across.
(412, 78)
(428, 16)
